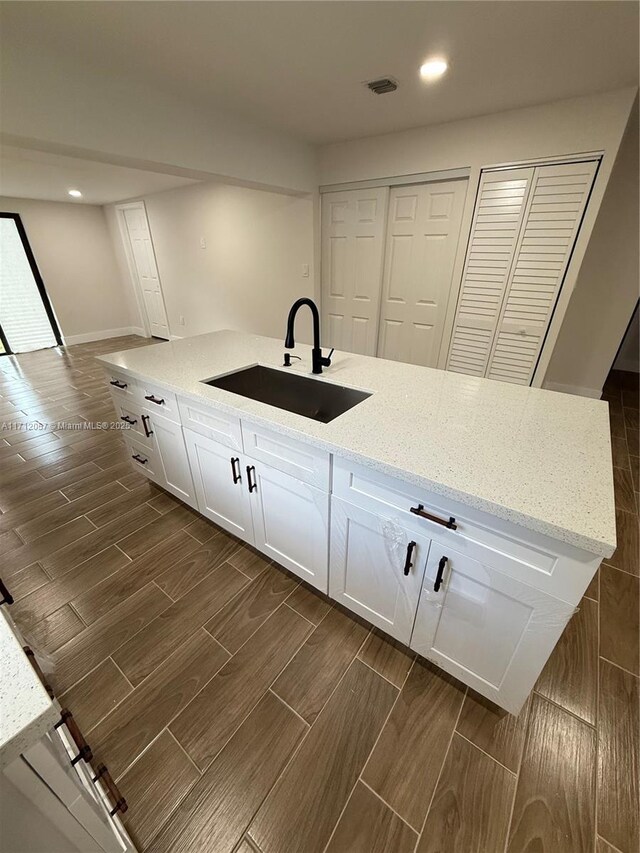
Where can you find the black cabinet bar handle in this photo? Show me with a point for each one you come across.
(443, 562)
(129, 420)
(419, 510)
(235, 473)
(407, 563)
(156, 400)
(7, 598)
(120, 802)
(36, 666)
(117, 384)
(84, 750)
(252, 483)
(147, 431)
(139, 459)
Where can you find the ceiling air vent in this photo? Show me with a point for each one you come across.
(382, 86)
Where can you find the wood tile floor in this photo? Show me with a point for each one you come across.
(241, 712)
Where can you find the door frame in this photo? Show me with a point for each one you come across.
(42, 290)
(133, 273)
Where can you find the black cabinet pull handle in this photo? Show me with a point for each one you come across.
(147, 431)
(443, 562)
(129, 420)
(156, 400)
(419, 510)
(251, 483)
(84, 750)
(120, 802)
(117, 384)
(139, 459)
(36, 666)
(7, 598)
(235, 473)
(407, 563)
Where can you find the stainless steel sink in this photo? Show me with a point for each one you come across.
(311, 398)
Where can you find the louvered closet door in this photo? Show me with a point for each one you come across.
(556, 204)
(422, 239)
(353, 226)
(500, 208)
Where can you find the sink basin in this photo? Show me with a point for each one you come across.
(311, 398)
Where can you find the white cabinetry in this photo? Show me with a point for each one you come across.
(171, 455)
(487, 629)
(377, 567)
(220, 484)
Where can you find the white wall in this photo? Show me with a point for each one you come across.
(75, 256)
(250, 272)
(607, 288)
(580, 125)
(629, 356)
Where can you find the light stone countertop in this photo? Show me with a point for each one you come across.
(26, 711)
(538, 458)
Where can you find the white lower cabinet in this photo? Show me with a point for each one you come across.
(220, 482)
(377, 566)
(291, 523)
(489, 630)
(172, 460)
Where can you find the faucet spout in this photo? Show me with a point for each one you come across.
(317, 359)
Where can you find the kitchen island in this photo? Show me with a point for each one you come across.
(464, 517)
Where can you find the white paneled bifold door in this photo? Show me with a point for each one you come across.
(524, 229)
(352, 255)
(422, 238)
(144, 267)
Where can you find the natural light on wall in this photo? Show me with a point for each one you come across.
(22, 314)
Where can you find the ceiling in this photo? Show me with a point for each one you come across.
(300, 66)
(25, 173)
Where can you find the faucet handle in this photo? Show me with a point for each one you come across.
(326, 360)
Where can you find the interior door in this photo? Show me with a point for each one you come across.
(353, 224)
(423, 229)
(220, 482)
(376, 567)
(146, 270)
(487, 629)
(291, 523)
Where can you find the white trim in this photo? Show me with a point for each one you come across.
(103, 334)
(399, 180)
(630, 364)
(176, 337)
(573, 389)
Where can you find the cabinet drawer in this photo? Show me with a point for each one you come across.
(301, 460)
(211, 423)
(485, 628)
(131, 415)
(123, 388)
(144, 459)
(547, 564)
(166, 402)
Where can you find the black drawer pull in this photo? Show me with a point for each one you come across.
(84, 750)
(251, 483)
(117, 384)
(120, 802)
(419, 510)
(139, 459)
(156, 400)
(443, 562)
(407, 563)
(129, 420)
(147, 431)
(235, 473)
(36, 666)
(7, 598)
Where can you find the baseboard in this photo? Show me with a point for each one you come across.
(102, 334)
(573, 389)
(176, 337)
(628, 364)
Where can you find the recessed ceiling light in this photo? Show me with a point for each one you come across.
(433, 69)
(75, 193)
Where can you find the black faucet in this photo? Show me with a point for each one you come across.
(318, 361)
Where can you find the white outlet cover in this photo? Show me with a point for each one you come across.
(203, 243)
(305, 270)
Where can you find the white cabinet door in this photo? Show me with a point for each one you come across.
(290, 522)
(171, 453)
(376, 567)
(492, 632)
(220, 482)
(422, 240)
(353, 223)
